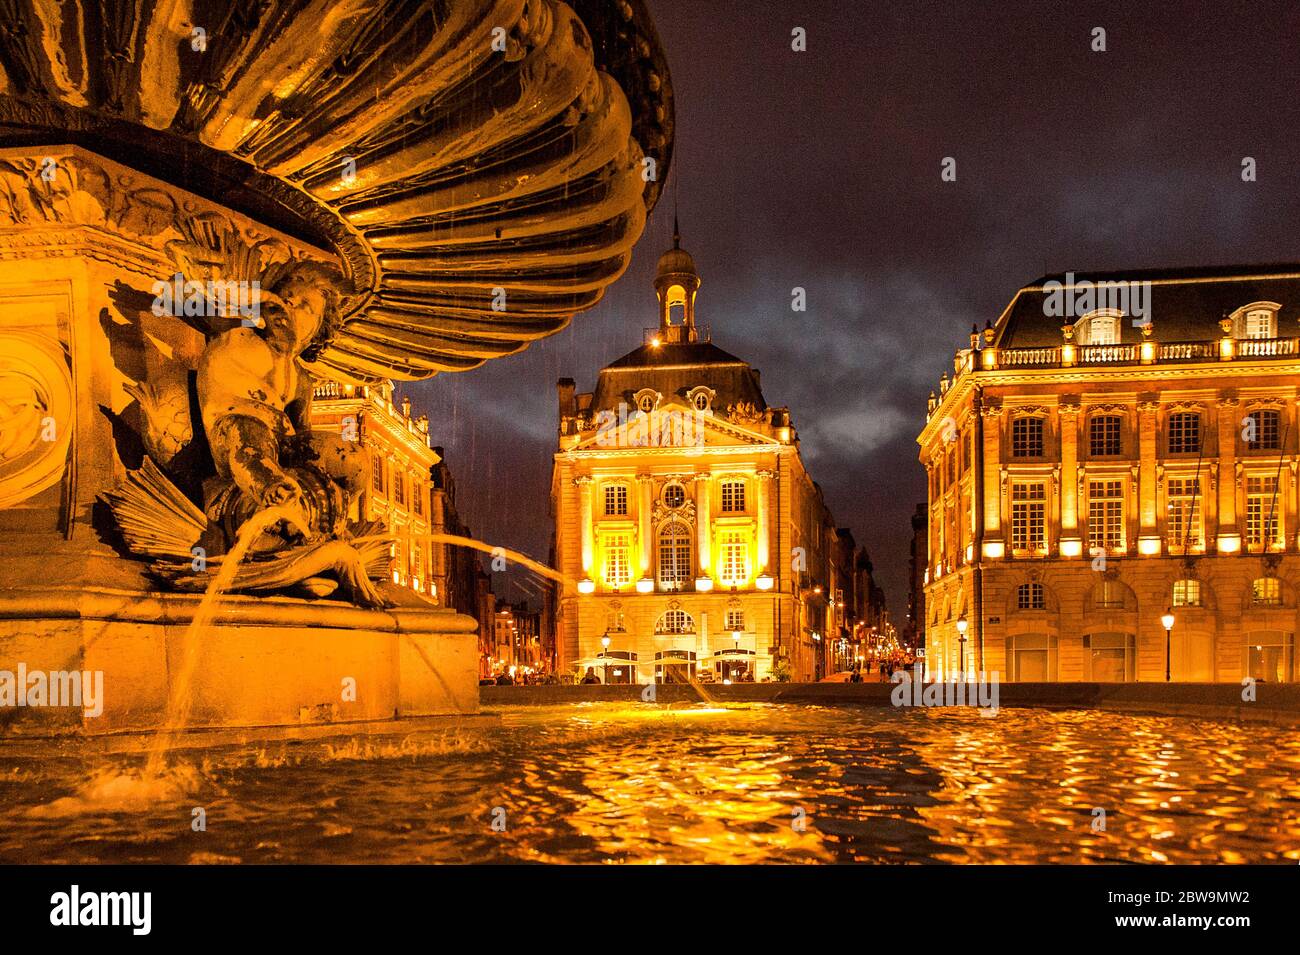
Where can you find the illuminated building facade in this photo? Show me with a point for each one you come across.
(411, 489)
(698, 545)
(1089, 473)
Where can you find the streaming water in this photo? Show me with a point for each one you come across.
(179, 698)
(128, 789)
(644, 783)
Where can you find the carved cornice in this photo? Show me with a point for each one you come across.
(64, 197)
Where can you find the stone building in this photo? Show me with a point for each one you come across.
(1089, 473)
(411, 488)
(698, 543)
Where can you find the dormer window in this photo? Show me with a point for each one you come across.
(647, 399)
(1098, 328)
(1259, 324)
(701, 398)
(1256, 320)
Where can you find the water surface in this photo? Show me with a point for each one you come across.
(734, 783)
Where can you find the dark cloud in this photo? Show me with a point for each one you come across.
(821, 170)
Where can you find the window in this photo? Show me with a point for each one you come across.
(733, 496)
(1259, 324)
(1184, 433)
(735, 620)
(1110, 657)
(701, 401)
(1106, 514)
(1262, 431)
(733, 557)
(1031, 658)
(674, 554)
(618, 563)
(399, 487)
(417, 497)
(674, 496)
(1109, 595)
(1027, 437)
(1184, 513)
(675, 621)
(1103, 435)
(1028, 501)
(1100, 330)
(616, 500)
(1270, 656)
(377, 474)
(1187, 593)
(1031, 597)
(1262, 525)
(1266, 592)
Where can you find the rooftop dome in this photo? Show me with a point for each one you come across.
(676, 260)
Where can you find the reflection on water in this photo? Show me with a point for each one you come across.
(615, 782)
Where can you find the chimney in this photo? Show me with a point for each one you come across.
(565, 388)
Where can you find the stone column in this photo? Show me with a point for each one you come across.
(645, 494)
(703, 513)
(1229, 534)
(763, 519)
(1071, 544)
(1148, 408)
(585, 526)
(991, 461)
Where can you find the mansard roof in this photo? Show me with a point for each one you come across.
(1185, 304)
(674, 368)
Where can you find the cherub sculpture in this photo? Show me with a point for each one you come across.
(254, 401)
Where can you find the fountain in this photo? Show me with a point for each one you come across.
(198, 227)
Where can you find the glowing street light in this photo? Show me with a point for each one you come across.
(1167, 618)
(962, 624)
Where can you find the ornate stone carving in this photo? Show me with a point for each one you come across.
(745, 412)
(274, 485)
(36, 414)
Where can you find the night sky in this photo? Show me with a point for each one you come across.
(821, 169)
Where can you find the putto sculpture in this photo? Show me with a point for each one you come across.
(252, 398)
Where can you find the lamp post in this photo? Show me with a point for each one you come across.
(604, 642)
(962, 624)
(1168, 620)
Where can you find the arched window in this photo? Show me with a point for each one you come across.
(675, 621)
(1109, 594)
(1031, 596)
(674, 554)
(1266, 592)
(1187, 593)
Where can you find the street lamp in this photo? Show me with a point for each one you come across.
(1167, 618)
(962, 624)
(604, 642)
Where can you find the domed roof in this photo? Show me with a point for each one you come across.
(675, 260)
